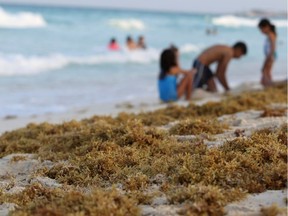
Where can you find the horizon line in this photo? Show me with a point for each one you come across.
(132, 9)
(105, 8)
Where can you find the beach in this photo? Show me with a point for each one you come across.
(72, 160)
(83, 130)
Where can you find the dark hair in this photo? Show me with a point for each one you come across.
(242, 46)
(174, 48)
(129, 38)
(167, 61)
(113, 40)
(265, 22)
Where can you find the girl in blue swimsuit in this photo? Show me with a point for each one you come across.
(169, 87)
(268, 29)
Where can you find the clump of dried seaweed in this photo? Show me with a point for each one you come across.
(268, 112)
(283, 135)
(273, 210)
(17, 158)
(253, 164)
(204, 200)
(38, 200)
(201, 200)
(198, 126)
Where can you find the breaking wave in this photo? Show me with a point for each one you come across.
(235, 21)
(127, 24)
(29, 65)
(21, 20)
(189, 48)
(18, 64)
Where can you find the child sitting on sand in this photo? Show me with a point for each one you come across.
(267, 28)
(169, 87)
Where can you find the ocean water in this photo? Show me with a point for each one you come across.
(53, 60)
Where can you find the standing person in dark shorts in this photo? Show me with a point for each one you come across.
(222, 55)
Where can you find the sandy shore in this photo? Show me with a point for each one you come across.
(17, 171)
(9, 123)
(252, 205)
(200, 97)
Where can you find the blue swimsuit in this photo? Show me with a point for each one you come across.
(267, 48)
(168, 88)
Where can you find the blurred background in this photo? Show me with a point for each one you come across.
(54, 56)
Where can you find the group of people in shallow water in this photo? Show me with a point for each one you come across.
(172, 88)
(130, 44)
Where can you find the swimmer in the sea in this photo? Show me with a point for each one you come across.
(131, 45)
(113, 45)
(141, 42)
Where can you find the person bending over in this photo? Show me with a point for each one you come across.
(169, 87)
(222, 55)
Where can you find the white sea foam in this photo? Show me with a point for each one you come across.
(189, 48)
(21, 20)
(127, 24)
(19, 64)
(236, 21)
(28, 65)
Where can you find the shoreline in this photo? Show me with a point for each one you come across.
(200, 97)
(12, 122)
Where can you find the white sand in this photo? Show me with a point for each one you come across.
(16, 172)
(245, 123)
(252, 205)
(15, 175)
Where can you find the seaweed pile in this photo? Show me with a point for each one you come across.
(109, 166)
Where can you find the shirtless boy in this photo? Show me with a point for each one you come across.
(131, 45)
(221, 55)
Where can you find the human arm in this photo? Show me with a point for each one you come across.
(177, 70)
(221, 71)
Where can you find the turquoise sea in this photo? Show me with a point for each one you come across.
(55, 59)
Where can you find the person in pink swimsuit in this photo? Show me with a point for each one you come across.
(113, 45)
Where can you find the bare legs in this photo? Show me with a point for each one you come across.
(185, 86)
(211, 85)
(266, 79)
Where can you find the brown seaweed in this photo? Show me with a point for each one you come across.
(129, 150)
